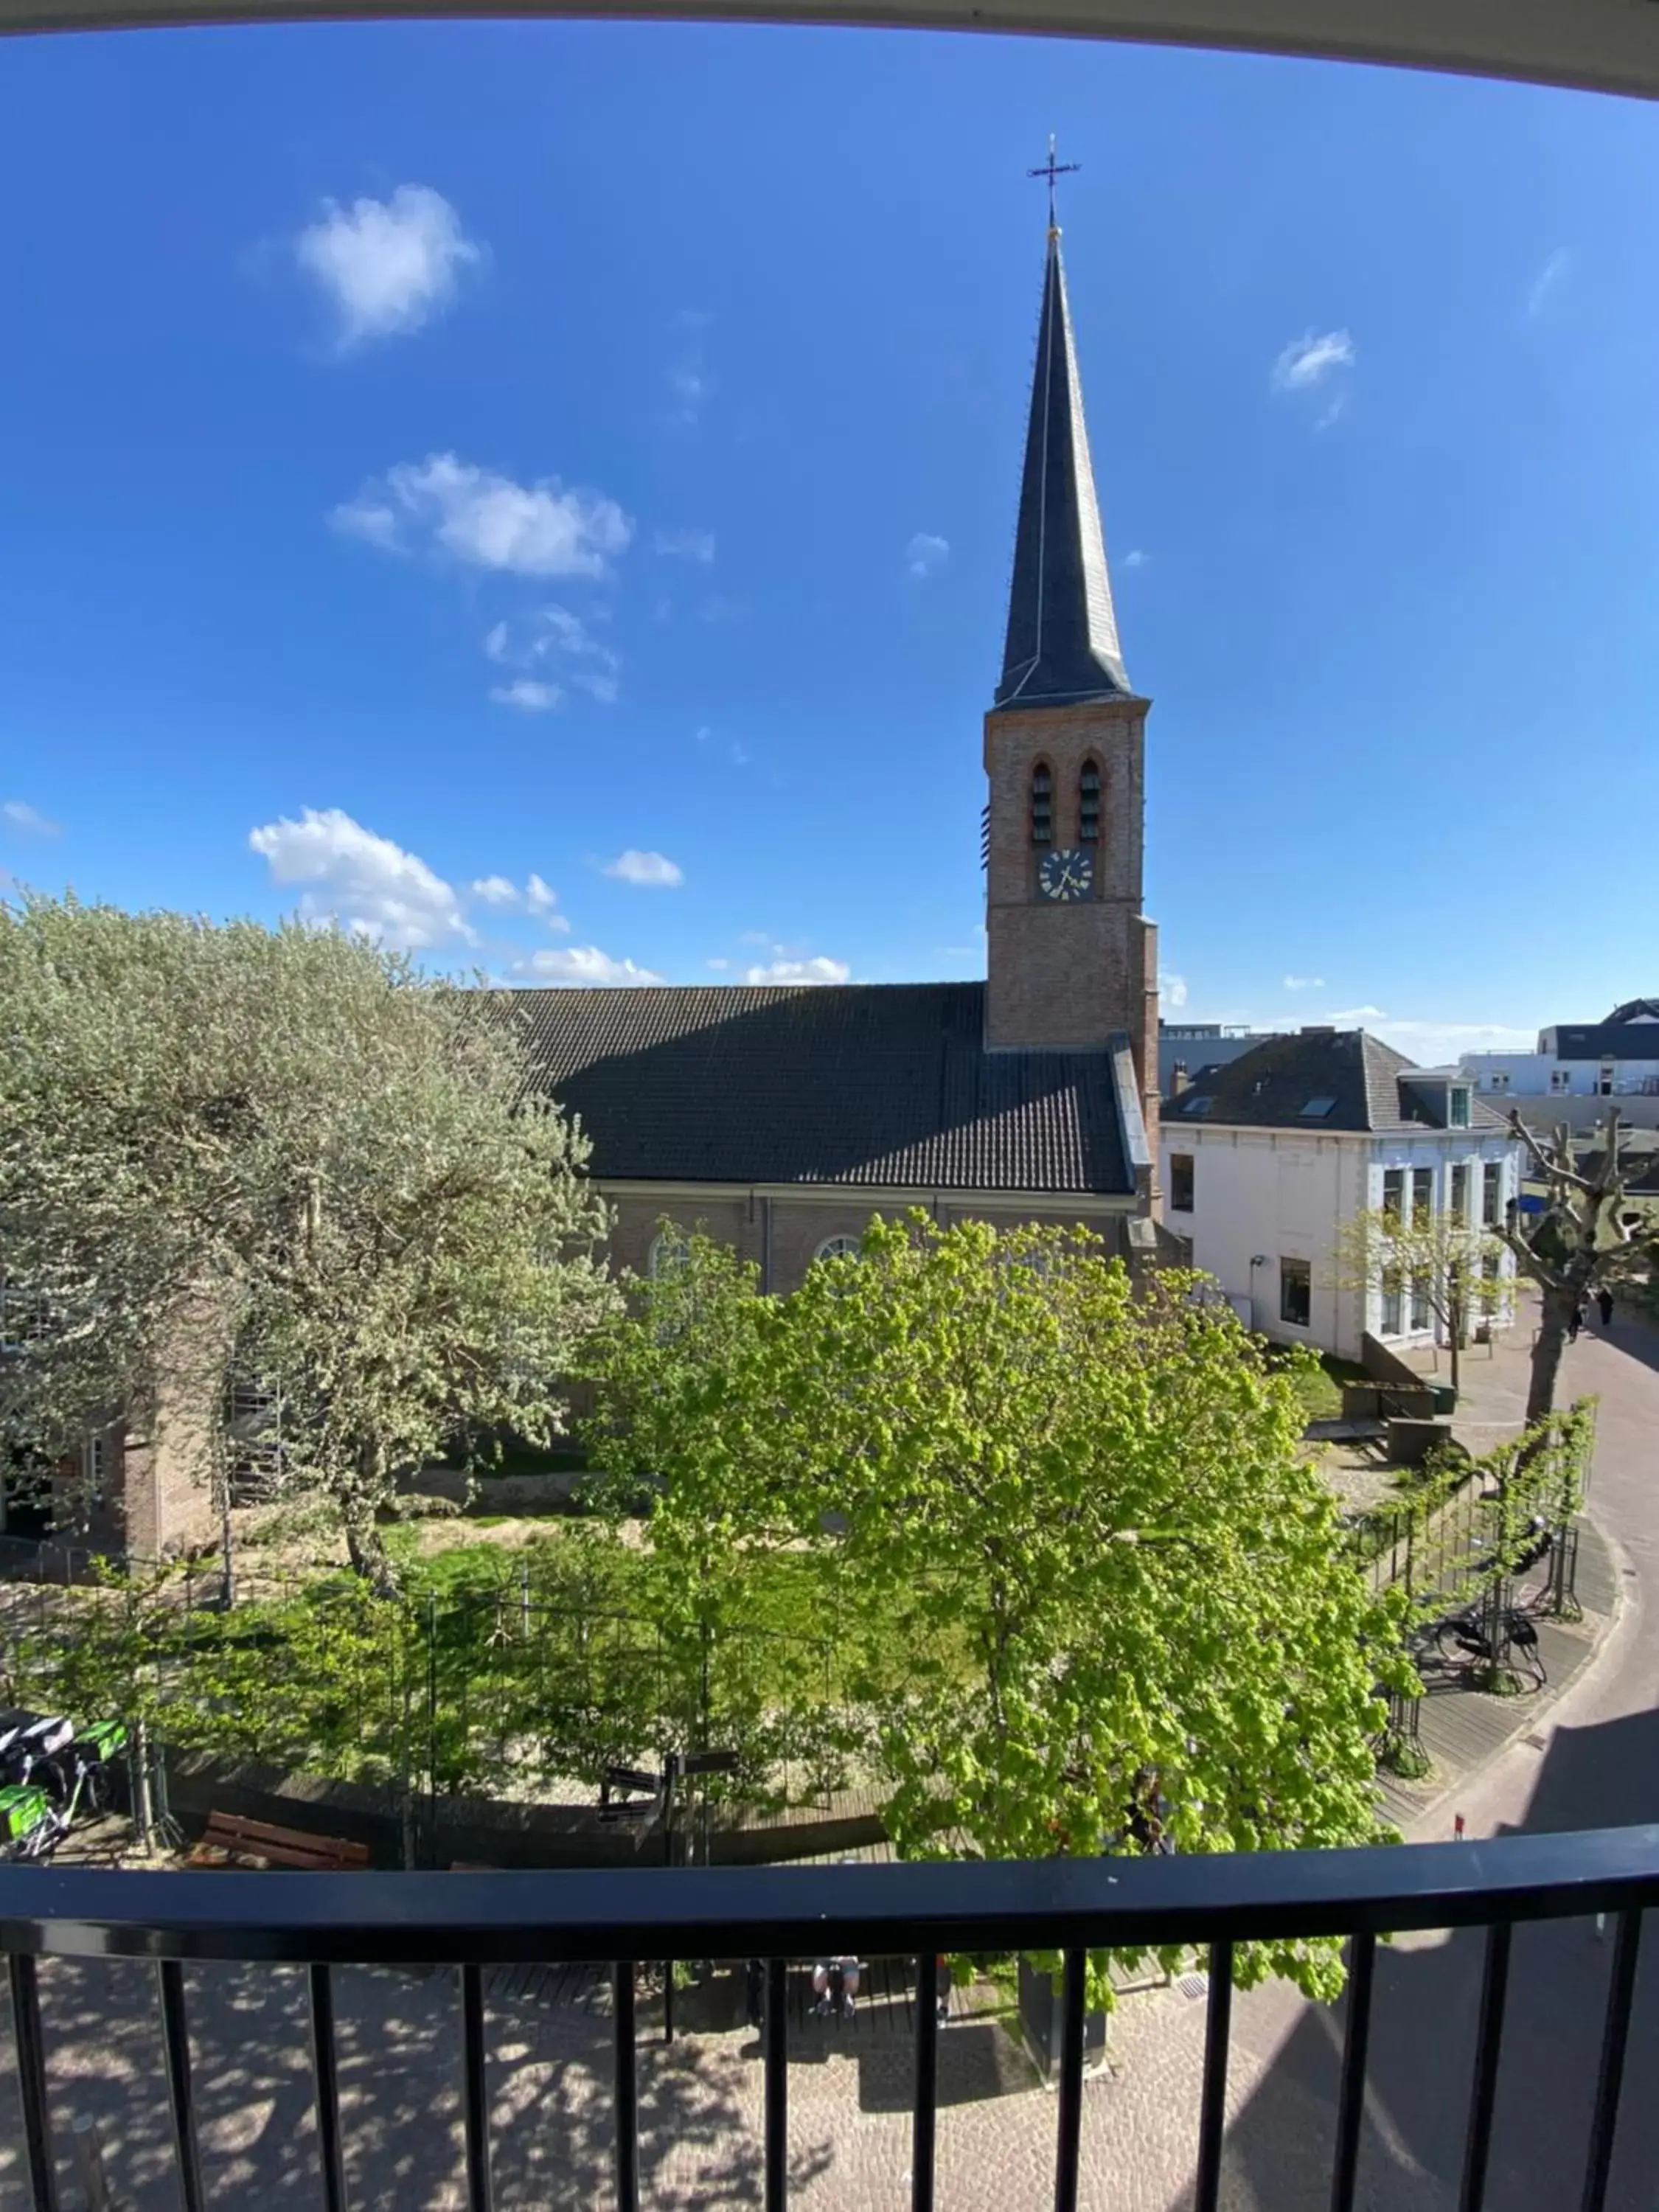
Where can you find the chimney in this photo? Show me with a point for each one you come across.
(1179, 1079)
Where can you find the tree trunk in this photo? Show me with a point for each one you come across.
(1558, 1309)
(365, 1547)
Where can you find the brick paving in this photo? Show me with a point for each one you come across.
(1592, 1757)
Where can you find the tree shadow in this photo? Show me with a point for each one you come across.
(399, 2061)
(1279, 2148)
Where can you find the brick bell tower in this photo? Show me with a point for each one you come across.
(1072, 963)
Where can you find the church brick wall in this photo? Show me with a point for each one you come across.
(1066, 975)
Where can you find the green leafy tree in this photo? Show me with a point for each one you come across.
(1124, 1605)
(1580, 1239)
(1454, 1267)
(229, 1150)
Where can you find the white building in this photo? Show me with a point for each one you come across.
(1618, 1058)
(1265, 1159)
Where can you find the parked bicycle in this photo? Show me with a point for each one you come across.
(53, 1774)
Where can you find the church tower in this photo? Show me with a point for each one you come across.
(1072, 963)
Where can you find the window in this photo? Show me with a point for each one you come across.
(1393, 1309)
(1317, 1109)
(93, 1462)
(1497, 1079)
(1042, 805)
(1393, 1192)
(838, 1247)
(671, 1254)
(1604, 1086)
(1181, 1182)
(1491, 1193)
(1458, 1107)
(1088, 804)
(1422, 1195)
(1196, 1107)
(1419, 1303)
(1457, 1204)
(1296, 1292)
(1560, 1079)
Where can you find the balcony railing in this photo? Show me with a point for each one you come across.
(779, 1914)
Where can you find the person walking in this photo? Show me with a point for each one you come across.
(1575, 1322)
(1604, 1300)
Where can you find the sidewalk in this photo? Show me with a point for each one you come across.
(1463, 1730)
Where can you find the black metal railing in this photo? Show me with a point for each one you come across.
(1070, 1905)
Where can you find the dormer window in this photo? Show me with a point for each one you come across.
(1042, 805)
(1458, 1116)
(1088, 804)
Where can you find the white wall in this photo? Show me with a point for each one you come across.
(1281, 1195)
(1530, 1075)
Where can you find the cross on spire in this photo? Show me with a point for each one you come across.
(1051, 169)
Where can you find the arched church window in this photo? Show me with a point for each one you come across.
(1042, 805)
(671, 1254)
(838, 1247)
(1088, 804)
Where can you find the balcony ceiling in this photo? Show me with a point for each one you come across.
(1607, 45)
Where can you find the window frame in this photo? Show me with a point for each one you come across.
(1459, 1113)
(839, 1247)
(1491, 1193)
(1039, 803)
(1178, 1162)
(1090, 817)
(1295, 1274)
(1422, 1197)
(1457, 1193)
(664, 1243)
(1394, 1202)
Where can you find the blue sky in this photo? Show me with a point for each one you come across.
(547, 490)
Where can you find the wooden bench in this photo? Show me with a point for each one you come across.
(231, 1840)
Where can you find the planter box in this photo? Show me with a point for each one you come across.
(1042, 2019)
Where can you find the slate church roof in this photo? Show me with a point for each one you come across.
(882, 1084)
(1062, 646)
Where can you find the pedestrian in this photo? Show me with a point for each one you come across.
(1604, 1299)
(1574, 1321)
(754, 1992)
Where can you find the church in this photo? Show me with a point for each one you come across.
(779, 1119)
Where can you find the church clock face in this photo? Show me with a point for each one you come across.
(1066, 873)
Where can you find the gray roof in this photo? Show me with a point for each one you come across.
(864, 1083)
(1369, 1085)
(1062, 632)
(1607, 1040)
(1633, 1009)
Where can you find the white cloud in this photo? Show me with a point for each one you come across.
(692, 387)
(686, 545)
(740, 755)
(1358, 1014)
(1545, 281)
(652, 871)
(1303, 982)
(1136, 557)
(527, 695)
(1174, 988)
(1308, 360)
(702, 733)
(387, 265)
(365, 883)
(487, 520)
(719, 966)
(536, 898)
(18, 814)
(925, 555)
(754, 937)
(819, 970)
(584, 965)
(552, 641)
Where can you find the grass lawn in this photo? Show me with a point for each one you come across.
(1321, 1387)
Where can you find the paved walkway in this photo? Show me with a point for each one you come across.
(1594, 1758)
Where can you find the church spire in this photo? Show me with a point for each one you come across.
(1062, 646)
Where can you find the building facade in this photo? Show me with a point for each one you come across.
(1577, 1067)
(782, 1118)
(1266, 1159)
